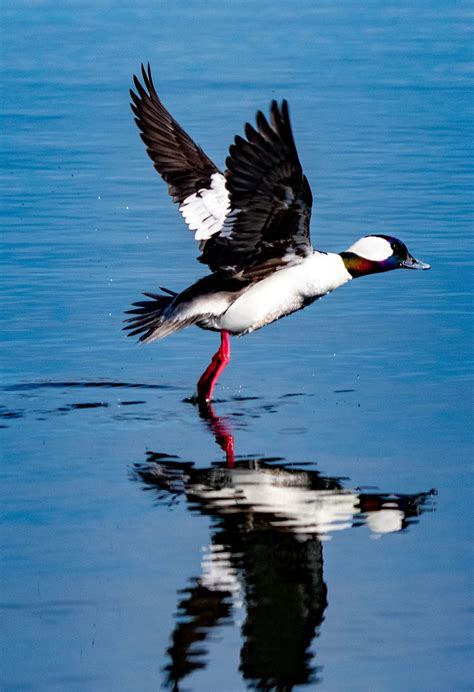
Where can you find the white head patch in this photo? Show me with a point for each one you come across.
(373, 248)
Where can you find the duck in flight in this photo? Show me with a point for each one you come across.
(252, 223)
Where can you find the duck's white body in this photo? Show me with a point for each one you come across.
(257, 303)
(284, 292)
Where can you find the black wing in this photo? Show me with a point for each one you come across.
(270, 199)
(194, 181)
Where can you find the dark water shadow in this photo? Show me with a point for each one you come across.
(21, 394)
(24, 398)
(264, 563)
(99, 384)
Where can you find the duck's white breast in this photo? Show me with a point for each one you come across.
(284, 292)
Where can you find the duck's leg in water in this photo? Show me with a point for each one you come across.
(220, 359)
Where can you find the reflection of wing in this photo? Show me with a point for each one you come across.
(193, 180)
(285, 597)
(277, 631)
(270, 198)
(199, 611)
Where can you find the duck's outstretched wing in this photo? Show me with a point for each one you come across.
(270, 200)
(194, 182)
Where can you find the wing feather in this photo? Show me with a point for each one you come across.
(194, 181)
(270, 199)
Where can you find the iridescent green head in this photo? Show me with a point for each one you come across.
(379, 253)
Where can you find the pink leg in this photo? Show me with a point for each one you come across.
(219, 361)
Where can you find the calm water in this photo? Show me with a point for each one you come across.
(335, 554)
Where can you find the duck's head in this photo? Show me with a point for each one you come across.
(379, 253)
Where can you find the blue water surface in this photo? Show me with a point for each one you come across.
(352, 420)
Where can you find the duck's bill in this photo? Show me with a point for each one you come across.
(412, 263)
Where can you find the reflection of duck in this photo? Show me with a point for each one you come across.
(268, 521)
(253, 224)
(287, 499)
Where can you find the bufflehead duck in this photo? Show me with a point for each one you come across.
(253, 227)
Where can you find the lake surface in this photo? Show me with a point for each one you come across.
(335, 553)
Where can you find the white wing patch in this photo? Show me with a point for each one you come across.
(205, 210)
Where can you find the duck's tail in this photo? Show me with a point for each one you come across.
(152, 319)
